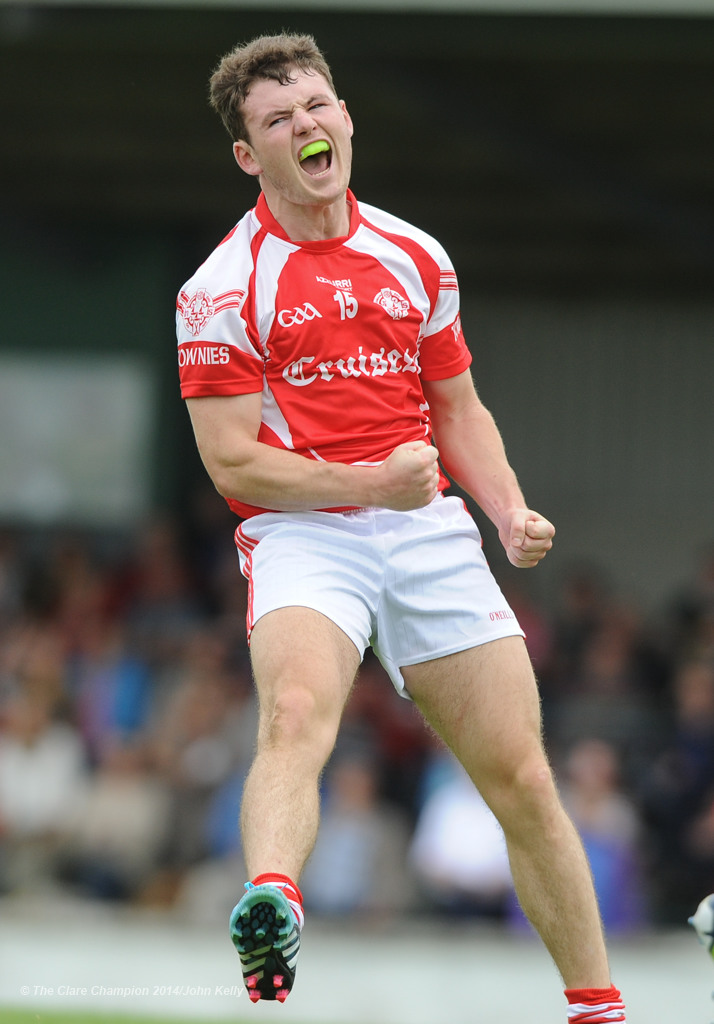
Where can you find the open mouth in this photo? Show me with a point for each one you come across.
(315, 158)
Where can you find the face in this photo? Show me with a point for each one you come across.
(282, 120)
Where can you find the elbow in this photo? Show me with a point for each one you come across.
(225, 481)
(227, 471)
(223, 477)
(221, 484)
(236, 481)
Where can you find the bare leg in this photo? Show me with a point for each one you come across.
(484, 704)
(304, 667)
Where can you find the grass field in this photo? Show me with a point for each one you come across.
(48, 1017)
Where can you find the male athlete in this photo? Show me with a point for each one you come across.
(322, 358)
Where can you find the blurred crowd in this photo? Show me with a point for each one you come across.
(127, 720)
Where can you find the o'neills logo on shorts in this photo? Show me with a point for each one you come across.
(505, 613)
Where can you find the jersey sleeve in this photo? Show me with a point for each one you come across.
(443, 351)
(216, 355)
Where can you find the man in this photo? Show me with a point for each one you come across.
(320, 350)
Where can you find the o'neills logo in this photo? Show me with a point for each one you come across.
(193, 354)
(504, 613)
(392, 302)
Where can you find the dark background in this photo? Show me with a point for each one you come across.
(564, 162)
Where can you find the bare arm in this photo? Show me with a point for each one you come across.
(472, 452)
(243, 468)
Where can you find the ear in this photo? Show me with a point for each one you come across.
(245, 158)
(348, 119)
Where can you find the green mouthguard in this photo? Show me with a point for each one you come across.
(312, 148)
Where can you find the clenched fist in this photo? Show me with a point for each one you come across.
(409, 477)
(526, 536)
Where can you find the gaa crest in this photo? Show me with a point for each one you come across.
(196, 311)
(392, 302)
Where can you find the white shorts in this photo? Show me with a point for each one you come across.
(412, 585)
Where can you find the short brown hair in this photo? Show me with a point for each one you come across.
(271, 57)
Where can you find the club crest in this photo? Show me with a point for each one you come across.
(196, 311)
(392, 302)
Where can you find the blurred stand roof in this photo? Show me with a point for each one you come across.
(549, 153)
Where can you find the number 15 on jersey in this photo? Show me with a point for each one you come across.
(347, 303)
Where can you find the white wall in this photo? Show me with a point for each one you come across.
(607, 410)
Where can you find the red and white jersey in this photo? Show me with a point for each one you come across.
(335, 334)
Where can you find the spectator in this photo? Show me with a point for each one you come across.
(42, 775)
(118, 830)
(158, 595)
(376, 716)
(583, 599)
(610, 827)
(202, 734)
(358, 862)
(610, 696)
(79, 695)
(459, 852)
(678, 791)
(692, 613)
(111, 687)
(10, 578)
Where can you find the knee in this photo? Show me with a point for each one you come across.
(525, 795)
(296, 719)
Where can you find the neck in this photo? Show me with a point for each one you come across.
(310, 223)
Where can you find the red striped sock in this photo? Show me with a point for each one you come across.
(290, 891)
(595, 1006)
